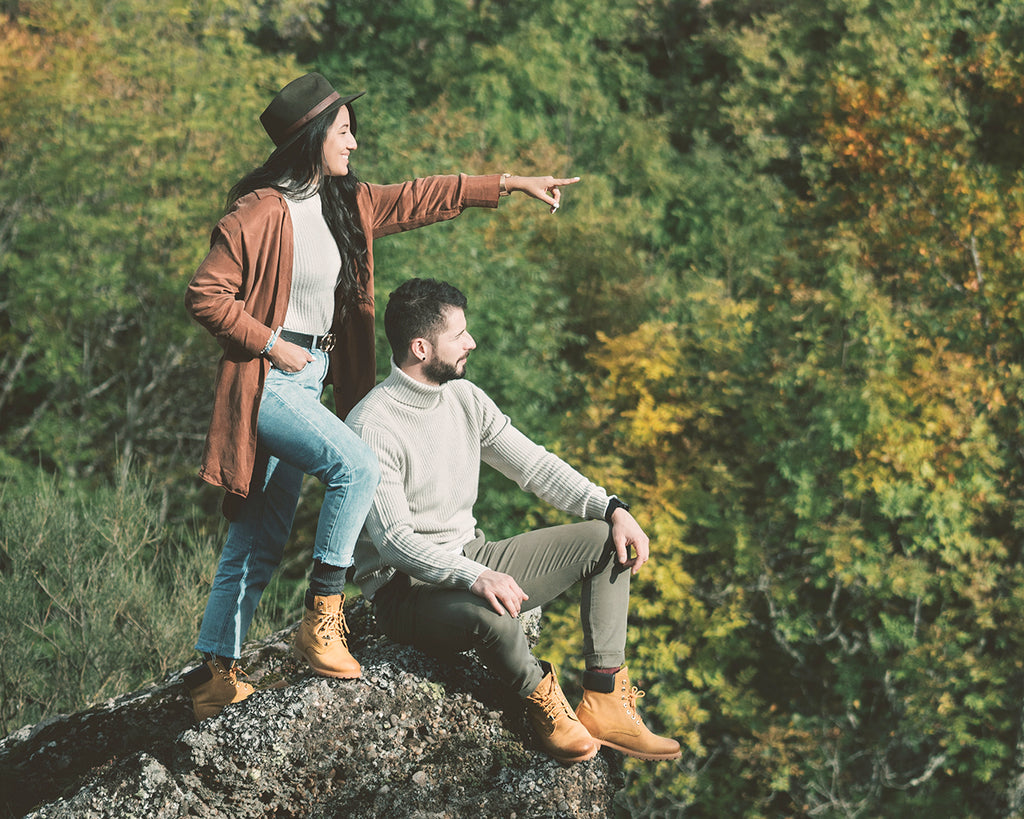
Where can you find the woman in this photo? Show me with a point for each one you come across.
(287, 289)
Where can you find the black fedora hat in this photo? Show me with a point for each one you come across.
(298, 104)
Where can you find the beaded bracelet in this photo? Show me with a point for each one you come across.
(270, 343)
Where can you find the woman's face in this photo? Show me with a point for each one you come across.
(338, 144)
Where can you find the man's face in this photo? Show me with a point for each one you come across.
(450, 350)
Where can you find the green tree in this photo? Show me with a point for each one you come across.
(115, 164)
(842, 538)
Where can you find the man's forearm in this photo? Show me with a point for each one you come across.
(403, 549)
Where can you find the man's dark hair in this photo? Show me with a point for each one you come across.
(417, 310)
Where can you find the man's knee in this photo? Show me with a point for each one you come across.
(598, 536)
(597, 532)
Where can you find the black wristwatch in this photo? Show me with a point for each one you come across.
(613, 504)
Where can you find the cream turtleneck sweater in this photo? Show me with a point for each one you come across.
(316, 262)
(430, 441)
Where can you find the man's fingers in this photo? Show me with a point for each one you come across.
(506, 605)
(622, 550)
(497, 603)
(634, 561)
(500, 591)
(643, 554)
(508, 599)
(514, 600)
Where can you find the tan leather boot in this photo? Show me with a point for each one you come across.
(560, 733)
(321, 642)
(608, 710)
(213, 686)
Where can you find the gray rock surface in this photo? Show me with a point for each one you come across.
(412, 738)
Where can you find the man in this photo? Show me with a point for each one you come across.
(434, 579)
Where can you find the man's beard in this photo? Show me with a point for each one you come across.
(440, 372)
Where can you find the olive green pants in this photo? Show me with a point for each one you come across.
(545, 563)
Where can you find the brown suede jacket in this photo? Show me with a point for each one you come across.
(240, 294)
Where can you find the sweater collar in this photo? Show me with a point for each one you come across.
(407, 390)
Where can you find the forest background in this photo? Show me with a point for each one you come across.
(780, 315)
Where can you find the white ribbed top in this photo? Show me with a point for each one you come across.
(316, 263)
(430, 441)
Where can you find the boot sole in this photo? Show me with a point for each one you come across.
(641, 754)
(300, 655)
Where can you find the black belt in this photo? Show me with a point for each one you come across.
(324, 342)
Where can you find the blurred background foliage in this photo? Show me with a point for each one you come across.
(781, 315)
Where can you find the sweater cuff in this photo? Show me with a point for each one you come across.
(596, 506)
(469, 572)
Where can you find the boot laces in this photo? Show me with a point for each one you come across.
(331, 625)
(554, 705)
(629, 703)
(230, 674)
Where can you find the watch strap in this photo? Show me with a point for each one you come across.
(613, 504)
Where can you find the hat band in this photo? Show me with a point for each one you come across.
(322, 106)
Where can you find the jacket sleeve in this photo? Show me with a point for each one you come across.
(407, 205)
(219, 296)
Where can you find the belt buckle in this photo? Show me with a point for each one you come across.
(326, 342)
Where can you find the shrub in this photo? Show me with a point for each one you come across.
(96, 597)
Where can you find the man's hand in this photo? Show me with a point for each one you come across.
(501, 591)
(626, 533)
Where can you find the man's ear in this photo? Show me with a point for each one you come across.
(419, 349)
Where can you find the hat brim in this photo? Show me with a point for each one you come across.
(334, 106)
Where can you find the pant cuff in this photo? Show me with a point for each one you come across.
(532, 680)
(614, 660)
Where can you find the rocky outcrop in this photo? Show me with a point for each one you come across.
(412, 738)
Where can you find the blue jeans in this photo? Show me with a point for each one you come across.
(295, 435)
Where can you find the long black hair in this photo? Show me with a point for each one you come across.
(297, 172)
